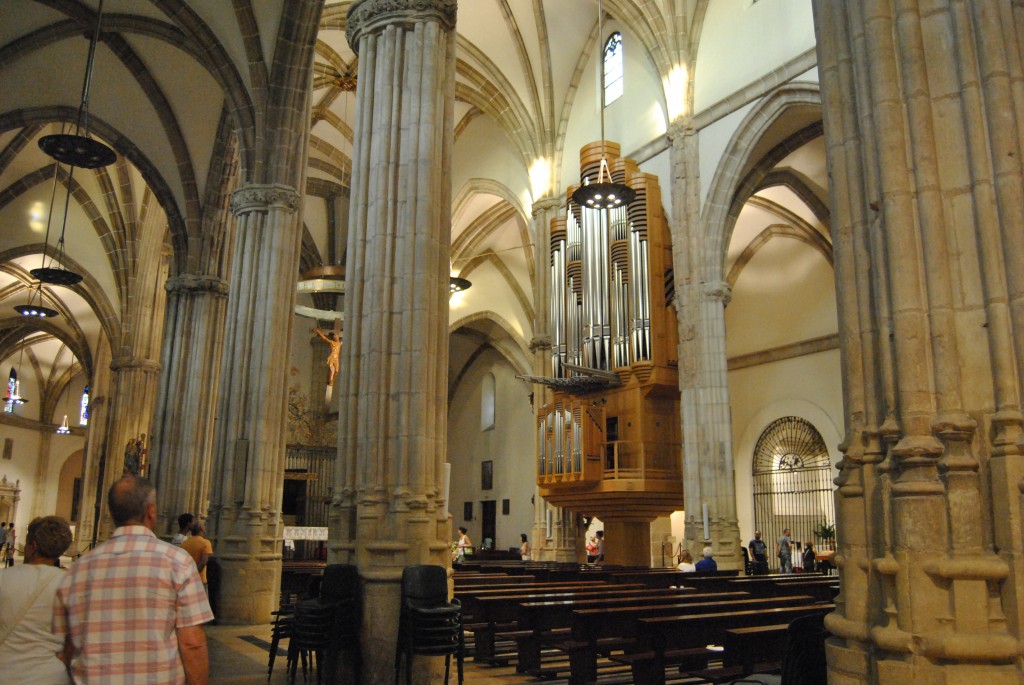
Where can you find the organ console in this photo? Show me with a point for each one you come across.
(608, 431)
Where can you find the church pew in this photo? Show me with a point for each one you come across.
(492, 612)
(822, 588)
(603, 630)
(544, 623)
(469, 595)
(490, 580)
(661, 641)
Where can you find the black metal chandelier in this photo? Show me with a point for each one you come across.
(76, 150)
(605, 193)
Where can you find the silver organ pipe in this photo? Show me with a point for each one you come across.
(559, 440)
(558, 300)
(542, 446)
(577, 443)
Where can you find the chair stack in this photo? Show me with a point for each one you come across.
(429, 624)
(321, 627)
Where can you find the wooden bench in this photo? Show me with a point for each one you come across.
(545, 623)
(468, 596)
(594, 631)
(499, 611)
(661, 639)
(490, 580)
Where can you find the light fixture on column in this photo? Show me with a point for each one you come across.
(76, 150)
(605, 193)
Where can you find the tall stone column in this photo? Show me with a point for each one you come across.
(183, 427)
(388, 511)
(543, 211)
(249, 451)
(701, 297)
(133, 389)
(923, 131)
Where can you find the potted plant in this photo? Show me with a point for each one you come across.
(827, 532)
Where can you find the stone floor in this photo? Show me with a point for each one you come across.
(239, 655)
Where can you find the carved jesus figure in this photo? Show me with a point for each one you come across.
(333, 358)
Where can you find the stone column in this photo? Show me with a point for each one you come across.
(387, 511)
(183, 427)
(701, 297)
(249, 451)
(133, 386)
(543, 211)
(923, 132)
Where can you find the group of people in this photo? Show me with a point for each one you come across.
(464, 546)
(706, 564)
(758, 550)
(130, 611)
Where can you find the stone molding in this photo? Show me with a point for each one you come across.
(257, 197)
(367, 16)
(718, 291)
(126, 363)
(545, 204)
(541, 342)
(680, 128)
(191, 283)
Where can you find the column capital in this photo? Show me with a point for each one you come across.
(718, 290)
(545, 204)
(124, 363)
(679, 129)
(256, 197)
(196, 283)
(366, 16)
(541, 342)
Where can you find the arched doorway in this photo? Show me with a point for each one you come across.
(792, 481)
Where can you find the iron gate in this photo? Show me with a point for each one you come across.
(792, 484)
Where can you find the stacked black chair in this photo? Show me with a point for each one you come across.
(429, 624)
(320, 627)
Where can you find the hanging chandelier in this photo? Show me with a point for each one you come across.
(457, 285)
(36, 310)
(76, 150)
(63, 428)
(605, 193)
(13, 396)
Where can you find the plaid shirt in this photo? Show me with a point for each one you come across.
(121, 604)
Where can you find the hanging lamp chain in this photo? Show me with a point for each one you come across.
(82, 120)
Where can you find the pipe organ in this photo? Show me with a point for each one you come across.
(608, 433)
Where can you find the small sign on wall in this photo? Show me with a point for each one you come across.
(8, 448)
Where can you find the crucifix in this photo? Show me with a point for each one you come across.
(333, 338)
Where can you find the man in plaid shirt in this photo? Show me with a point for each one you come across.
(131, 611)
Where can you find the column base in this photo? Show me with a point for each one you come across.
(249, 591)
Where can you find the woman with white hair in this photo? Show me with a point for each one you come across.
(28, 650)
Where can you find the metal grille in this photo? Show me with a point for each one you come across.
(792, 482)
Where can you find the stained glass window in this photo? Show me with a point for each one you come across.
(83, 416)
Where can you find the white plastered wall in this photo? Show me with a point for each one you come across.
(509, 446)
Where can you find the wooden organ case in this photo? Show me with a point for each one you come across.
(608, 432)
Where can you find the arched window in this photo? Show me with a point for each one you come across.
(613, 68)
(83, 414)
(487, 403)
(792, 481)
